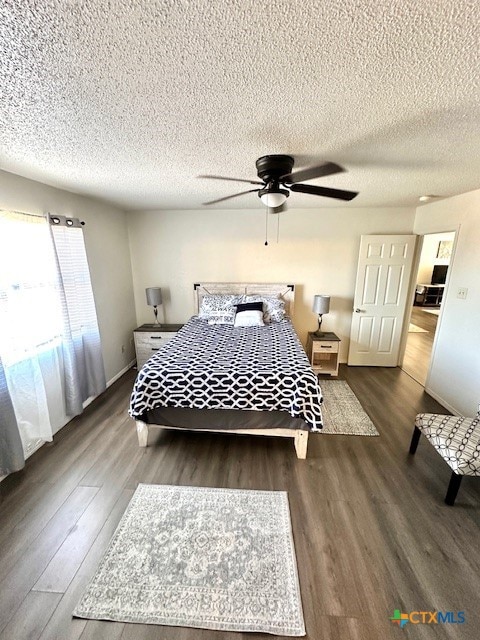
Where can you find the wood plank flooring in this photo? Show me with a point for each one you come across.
(371, 531)
(418, 350)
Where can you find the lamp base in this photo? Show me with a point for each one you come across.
(319, 334)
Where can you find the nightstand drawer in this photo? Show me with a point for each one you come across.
(146, 345)
(147, 351)
(327, 346)
(153, 339)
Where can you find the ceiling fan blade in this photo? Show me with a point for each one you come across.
(231, 179)
(326, 169)
(235, 195)
(339, 194)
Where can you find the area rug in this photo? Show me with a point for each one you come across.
(413, 328)
(200, 557)
(342, 412)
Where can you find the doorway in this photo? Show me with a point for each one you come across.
(432, 273)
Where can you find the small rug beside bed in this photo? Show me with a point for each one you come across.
(200, 557)
(342, 412)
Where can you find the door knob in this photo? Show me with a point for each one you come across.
(359, 310)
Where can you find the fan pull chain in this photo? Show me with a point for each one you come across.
(278, 226)
(266, 227)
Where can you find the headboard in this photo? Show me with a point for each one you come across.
(284, 291)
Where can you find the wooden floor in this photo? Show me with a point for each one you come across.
(371, 531)
(418, 351)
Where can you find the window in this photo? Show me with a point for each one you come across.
(30, 309)
(49, 339)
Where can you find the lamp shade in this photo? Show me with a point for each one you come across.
(154, 296)
(321, 304)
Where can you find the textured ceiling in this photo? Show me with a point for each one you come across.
(129, 100)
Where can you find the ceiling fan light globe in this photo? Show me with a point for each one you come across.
(273, 200)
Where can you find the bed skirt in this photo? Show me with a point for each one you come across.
(222, 419)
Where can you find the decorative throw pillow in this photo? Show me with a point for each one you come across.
(249, 314)
(273, 308)
(219, 309)
(222, 319)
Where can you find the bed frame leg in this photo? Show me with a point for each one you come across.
(142, 433)
(301, 444)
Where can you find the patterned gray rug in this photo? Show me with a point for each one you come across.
(200, 557)
(342, 412)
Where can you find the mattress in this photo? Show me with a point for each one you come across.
(222, 367)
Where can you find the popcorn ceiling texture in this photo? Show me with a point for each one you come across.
(129, 100)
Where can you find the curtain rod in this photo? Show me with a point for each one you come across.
(25, 213)
(66, 221)
(57, 219)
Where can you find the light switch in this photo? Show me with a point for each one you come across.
(462, 293)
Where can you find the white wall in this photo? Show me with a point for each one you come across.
(318, 252)
(455, 369)
(106, 240)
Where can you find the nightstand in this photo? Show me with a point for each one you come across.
(150, 338)
(322, 352)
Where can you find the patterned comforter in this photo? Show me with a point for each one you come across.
(222, 367)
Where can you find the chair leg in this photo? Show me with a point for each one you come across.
(415, 438)
(453, 488)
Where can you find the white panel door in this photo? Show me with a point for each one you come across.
(383, 276)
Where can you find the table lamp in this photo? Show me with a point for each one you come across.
(154, 298)
(321, 305)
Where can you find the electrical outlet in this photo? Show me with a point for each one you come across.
(123, 348)
(462, 293)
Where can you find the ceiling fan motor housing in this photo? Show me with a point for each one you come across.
(276, 172)
(271, 168)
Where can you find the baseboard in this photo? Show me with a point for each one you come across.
(443, 402)
(120, 373)
(110, 382)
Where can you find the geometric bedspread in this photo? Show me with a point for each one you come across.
(226, 367)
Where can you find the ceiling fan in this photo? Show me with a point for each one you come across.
(278, 180)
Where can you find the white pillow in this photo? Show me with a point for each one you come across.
(227, 318)
(218, 309)
(249, 318)
(273, 308)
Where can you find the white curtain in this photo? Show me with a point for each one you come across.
(84, 370)
(49, 339)
(11, 450)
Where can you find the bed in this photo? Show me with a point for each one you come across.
(217, 377)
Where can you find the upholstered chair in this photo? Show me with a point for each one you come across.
(457, 440)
